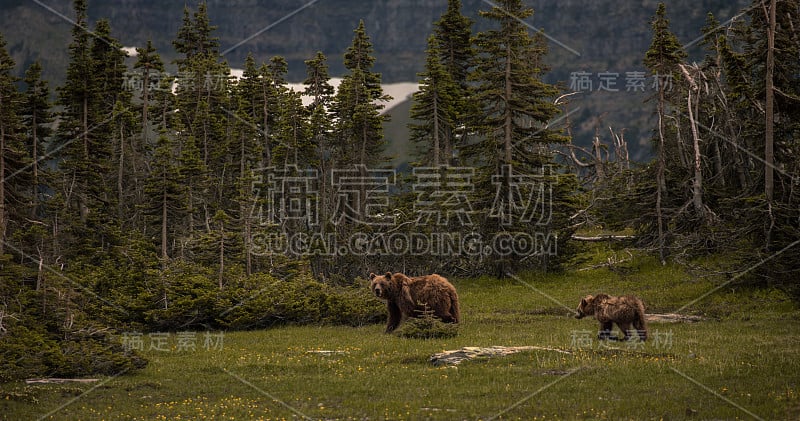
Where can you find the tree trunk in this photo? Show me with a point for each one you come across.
(697, 182)
(769, 157)
(265, 125)
(83, 195)
(221, 253)
(2, 183)
(164, 226)
(598, 157)
(660, 174)
(121, 176)
(435, 129)
(34, 161)
(145, 102)
(509, 117)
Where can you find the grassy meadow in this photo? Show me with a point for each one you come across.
(742, 362)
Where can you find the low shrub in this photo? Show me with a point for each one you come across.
(427, 326)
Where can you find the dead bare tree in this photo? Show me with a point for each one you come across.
(695, 77)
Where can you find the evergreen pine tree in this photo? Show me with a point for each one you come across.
(320, 126)
(205, 114)
(453, 38)
(74, 126)
(357, 107)
(434, 108)
(248, 155)
(662, 59)
(318, 87)
(36, 119)
(769, 52)
(513, 160)
(113, 149)
(149, 63)
(163, 192)
(86, 131)
(317, 81)
(12, 153)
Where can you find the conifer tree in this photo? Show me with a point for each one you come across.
(275, 97)
(516, 108)
(770, 49)
(453, 33)
(771, 110)
(662, 59)
(358, 143)
(317, 81)
(36, 119)
(74, 128)
(435, 106)
(193, 175)
(357, 106)
(12, 154)
(453, 38)
(149, 63)
(163, 192)
(87, 130)
(514, 99)
(249, 151)
(295, 147)
(114, 146)
(320, 125)
(318, 87)
(204, 111)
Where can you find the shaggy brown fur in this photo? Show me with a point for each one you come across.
(411, 297)
(624, 311)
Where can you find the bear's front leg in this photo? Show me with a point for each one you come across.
(605, 331)
(395, 316)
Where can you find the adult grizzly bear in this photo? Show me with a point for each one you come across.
(624, 311)
(411, 297)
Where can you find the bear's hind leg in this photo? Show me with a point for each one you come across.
(625, 328)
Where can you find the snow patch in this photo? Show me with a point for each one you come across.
(400, 92)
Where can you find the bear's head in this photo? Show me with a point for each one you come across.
(586, 307)
(382, 286)
(589, 303)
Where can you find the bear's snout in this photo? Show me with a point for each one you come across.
(579, 315)
(378, 292)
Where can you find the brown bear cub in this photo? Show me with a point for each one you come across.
(412, 297)
(624, 311)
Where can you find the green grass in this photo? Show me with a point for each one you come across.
(742, 362)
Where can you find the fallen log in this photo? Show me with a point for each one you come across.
(604, 237)
(672, 318)
(59, 381)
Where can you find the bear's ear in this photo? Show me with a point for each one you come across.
(583, 302)
(389, 275)
(372, 276)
